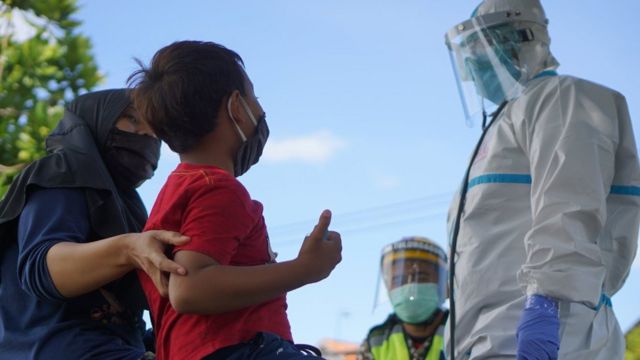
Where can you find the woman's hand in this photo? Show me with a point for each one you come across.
(147, 252)
(78, 268)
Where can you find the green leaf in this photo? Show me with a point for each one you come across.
(633, 343)
(38, 76)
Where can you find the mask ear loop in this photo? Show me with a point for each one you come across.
(248, 111)
(244, 138)
(484, 117)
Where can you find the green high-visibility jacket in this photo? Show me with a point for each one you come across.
(388, 341)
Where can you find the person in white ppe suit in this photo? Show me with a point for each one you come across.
(544, 229)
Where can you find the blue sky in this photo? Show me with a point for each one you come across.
(365, 118)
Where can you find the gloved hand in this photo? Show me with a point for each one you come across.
(539, 329)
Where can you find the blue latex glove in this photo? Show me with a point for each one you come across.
(539, 329)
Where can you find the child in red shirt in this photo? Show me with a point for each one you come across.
(231, 303)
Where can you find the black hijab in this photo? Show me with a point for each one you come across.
(75, 148)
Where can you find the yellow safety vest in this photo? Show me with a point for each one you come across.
(387, 342)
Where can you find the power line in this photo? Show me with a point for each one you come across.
(367, 213)
(287, 235)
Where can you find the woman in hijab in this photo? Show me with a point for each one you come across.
(69, 239)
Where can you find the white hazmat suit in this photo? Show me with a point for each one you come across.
(552, 208)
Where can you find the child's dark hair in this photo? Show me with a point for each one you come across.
(180, 93)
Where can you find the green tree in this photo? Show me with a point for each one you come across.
(44, 62)
(633, 343)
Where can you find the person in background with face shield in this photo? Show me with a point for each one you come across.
(544, 229)
(69, 239)
(414, 274)
(231, 304)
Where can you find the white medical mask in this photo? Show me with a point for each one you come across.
(414, 303)
(251, 149)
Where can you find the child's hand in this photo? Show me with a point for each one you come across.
(321, 250)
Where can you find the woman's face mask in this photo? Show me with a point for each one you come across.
(251, 149)
(131, 158)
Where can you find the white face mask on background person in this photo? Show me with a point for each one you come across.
(414, 303)
(251, 149)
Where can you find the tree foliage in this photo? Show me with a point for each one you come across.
(44, 62)
(633, 343)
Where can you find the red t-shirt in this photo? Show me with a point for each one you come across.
(214, 209)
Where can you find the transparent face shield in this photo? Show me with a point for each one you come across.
(415, 281)
(420, 267)
(485, 55)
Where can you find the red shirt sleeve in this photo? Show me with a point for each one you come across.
(216, 219)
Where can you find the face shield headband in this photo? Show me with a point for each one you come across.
(485, 55)
(412, 266)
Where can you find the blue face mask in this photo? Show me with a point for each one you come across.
(486, 78)
(503, 44)
(415, 302)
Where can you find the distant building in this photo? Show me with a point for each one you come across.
(338, 350)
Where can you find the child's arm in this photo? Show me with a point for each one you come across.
(210, 288)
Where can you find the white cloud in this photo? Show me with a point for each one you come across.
(314, 148)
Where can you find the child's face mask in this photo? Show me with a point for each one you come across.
(251, 149)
